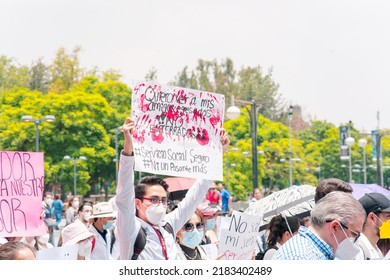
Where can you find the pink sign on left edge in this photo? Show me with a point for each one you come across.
(21, 192)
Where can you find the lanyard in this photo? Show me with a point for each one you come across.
(162, 242)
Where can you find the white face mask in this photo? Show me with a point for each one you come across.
(76, 203)
(85, 248)
(86, 217)
(347, 249)
(48, 201)
(44, 238)
(155, 213)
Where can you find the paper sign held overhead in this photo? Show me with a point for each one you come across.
(177, 131)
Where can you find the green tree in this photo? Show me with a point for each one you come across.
(65, 70)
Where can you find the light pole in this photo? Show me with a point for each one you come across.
(363, 144)
(28, 118)
(234, 149)
(119, 128)
(290, 161)
(350, 141)
(234, 112)
(290, 113)
(74, 171)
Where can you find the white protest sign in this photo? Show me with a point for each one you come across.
(177, 131)
(59, 253)
(238, 235)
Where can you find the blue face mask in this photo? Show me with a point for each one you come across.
(108, 225)
(210, 224)
(193, 238)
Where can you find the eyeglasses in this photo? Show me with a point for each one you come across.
(156, 200)
(190, 227)
(356, 234)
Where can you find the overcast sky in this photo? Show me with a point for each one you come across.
(331, 57)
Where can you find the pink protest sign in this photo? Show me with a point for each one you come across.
(21, 192)
(177, 131)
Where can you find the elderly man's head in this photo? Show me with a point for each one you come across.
(337, 216)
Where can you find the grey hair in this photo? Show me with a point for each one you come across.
(336, 206)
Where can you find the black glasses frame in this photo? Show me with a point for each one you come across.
(156, 200)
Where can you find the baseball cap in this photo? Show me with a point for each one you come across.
(103, 209)
(375, 202)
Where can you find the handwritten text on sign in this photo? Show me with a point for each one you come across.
(21, 191)
(238, 236)
(177, 131)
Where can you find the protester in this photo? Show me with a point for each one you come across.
(84, 213)
(256, 195)
(16, 250)
(329, 185)
(77, 233)
(71, 211)
(49, 215)
(57, 206)
(209, 214)
(213, 196)
(377, 207)
(145, 206)
(103, 219)
(42, 241)
(226, 198)
(335, 220)
(279, 230)
(190, 237)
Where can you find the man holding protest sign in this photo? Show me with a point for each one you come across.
(145, 207)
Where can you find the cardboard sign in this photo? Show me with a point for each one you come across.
(21, 192)
(177, 131)
(238, 235)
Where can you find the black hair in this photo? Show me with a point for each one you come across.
(148, 181)
(278, 226)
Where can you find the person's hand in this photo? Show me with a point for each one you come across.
(224, 140)
(127, 129)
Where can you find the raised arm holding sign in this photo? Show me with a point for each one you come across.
(142, 208)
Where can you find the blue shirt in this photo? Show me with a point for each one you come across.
(225, 200)
(304, 246)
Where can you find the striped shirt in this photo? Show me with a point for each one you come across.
(304, 246)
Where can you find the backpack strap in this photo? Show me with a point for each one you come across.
(365, 250)
(140, 241)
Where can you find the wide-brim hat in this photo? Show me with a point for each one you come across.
(375, 202)
(103, 209)
(75, 232)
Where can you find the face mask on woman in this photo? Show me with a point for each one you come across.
(193, 238)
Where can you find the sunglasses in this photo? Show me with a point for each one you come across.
(190, 227)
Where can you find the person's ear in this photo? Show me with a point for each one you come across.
(138, 203)
(333, 226)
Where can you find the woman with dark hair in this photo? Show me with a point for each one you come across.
(280, 229)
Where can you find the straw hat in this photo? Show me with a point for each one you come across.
(102, 209)
(75, 232)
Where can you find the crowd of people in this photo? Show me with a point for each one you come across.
(136, 224)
